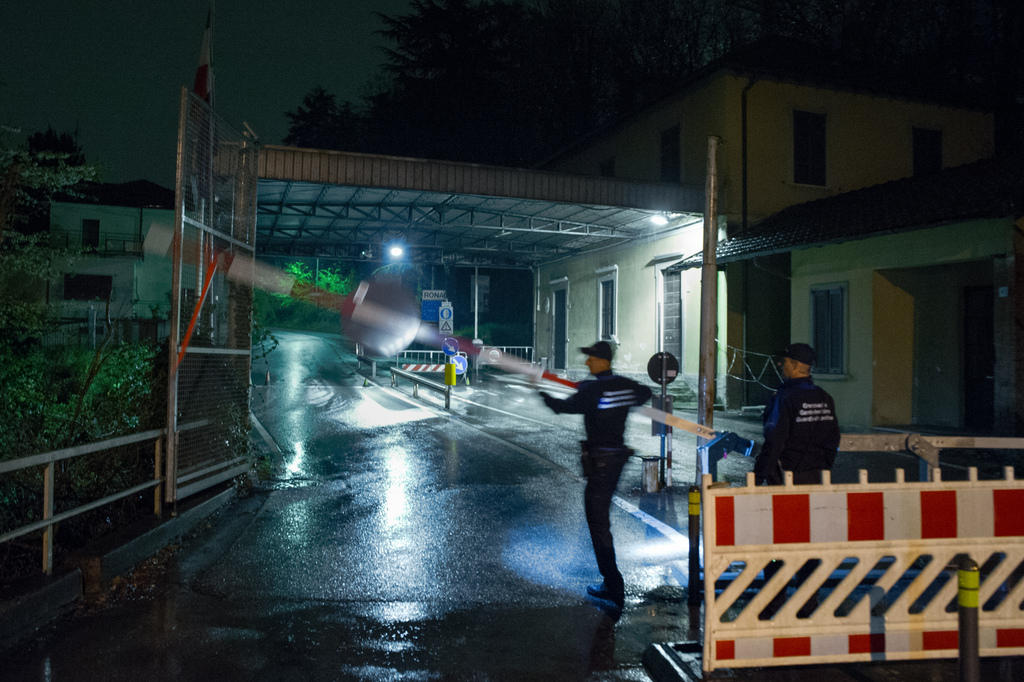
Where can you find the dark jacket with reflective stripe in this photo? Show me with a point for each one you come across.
(604, 402)
(800, 431)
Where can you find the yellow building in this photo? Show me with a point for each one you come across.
(793, 128)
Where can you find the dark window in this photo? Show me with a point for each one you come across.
(87, 287)
(606, 168)
(90, 232)
(927, 151)
(607, 308)
(671, 167)
(827, 316)
(808, 148)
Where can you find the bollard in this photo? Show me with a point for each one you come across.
(649, 482)
(967, 600)
(694, 586)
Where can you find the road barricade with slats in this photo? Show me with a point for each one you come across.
(858, 572)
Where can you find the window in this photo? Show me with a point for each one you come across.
(606, 281)
(808, 148)
(87, 287)
(827, 327)
(606, 169)
(90, 233)
(927, 151)
(671, 167)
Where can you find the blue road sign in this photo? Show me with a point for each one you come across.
(460, 363)
(450, 346)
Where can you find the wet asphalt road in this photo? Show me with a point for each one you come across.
(397, 541)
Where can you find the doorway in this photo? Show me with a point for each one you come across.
(979, 358)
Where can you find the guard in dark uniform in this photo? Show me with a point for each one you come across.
(604, 402)
(801, 433)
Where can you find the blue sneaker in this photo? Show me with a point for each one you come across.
(602, 592)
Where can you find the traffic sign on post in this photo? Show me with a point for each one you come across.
(461, 363)
(663, 368)
(445, 320)
(430, 303)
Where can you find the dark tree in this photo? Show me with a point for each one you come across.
(50, 147)
(500, 81)
(321, 123)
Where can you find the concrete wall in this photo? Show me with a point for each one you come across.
(929, 268)
(639, 286)
(869, 140)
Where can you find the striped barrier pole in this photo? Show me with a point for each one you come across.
(694, 588)
(967, 601)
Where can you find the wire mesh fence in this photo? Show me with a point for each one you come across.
(211, 313)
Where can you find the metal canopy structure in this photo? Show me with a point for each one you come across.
(347, 206)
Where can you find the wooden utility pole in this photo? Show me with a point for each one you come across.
(708, 302)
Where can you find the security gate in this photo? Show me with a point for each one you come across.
(211, 315)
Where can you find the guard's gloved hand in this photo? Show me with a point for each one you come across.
(549, 400)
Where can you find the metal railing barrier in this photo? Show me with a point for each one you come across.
(418, 381)
(491, 354)
(362, 358)
(49, 460)
(841, 573)
(926, 447)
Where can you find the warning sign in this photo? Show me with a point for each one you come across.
(445, 321)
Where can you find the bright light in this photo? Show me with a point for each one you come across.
(659, 220)
(295, 465)
(396, 251)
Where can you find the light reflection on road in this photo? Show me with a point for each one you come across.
(369, 414)
(294, 465)
(396, 500)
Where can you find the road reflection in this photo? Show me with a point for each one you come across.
(294, 465)
(396, 499)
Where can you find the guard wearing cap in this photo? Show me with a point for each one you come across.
(801, 433)
(604, 402)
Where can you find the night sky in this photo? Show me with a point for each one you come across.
(113, 69)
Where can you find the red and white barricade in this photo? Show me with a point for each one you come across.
(858, 572)
(423, 367)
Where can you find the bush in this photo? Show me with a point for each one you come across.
(60, 397)
(51, 401)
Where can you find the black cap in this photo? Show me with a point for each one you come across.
(601, 349)
(800, 352)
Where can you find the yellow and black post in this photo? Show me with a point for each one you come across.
(449, 380)
(967, 600)
(694, 587)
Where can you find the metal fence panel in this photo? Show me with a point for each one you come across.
(211, 315)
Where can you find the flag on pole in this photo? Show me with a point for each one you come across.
(203, 86)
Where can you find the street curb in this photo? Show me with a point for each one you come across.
(124, 558)
(673, 662)
(22, 615)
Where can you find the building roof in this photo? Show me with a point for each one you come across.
(794, 61)
(346, 205)
(991, 188)
(137, 194)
